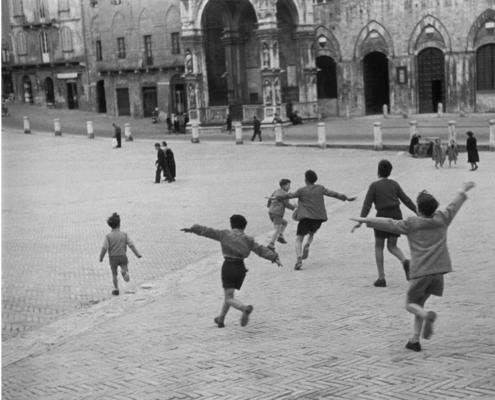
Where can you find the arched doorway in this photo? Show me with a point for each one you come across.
(326, 77)
(431, 79)
(101, 102)
(231, 54)
(49, 92)
(376, 83)
(485, 67)
(27, 90)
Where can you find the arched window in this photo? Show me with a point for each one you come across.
(66, 39)
(485, 67)
(21, 44)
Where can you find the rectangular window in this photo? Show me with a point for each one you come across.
(121, 47)
(18, 10)
(99, 55)
(148, 51)
(175, 43)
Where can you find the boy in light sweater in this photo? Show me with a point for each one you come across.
(116, 243)
(430, 259)
(276, 212)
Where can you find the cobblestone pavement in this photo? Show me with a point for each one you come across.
(324, 332)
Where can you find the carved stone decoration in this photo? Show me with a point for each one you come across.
(191, 95)
(267, 93)
(266, 56)
(188, 61)
(276, 89)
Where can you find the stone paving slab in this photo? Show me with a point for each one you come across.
(323, 332)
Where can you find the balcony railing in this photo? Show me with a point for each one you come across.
(159, 59)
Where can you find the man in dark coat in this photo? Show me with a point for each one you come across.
(118, 134)
(256, 128)
(472, 150)
(412, 145)
(160, 162)
(169, 173)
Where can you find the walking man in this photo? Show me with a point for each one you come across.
(257, 129)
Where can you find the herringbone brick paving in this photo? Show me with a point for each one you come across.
(321, 333)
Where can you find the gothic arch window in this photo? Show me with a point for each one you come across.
(485, 67)
(66, 39)
(41, 9)
(21, 43)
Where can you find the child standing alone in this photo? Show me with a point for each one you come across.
(236, 246)
(276, 212)
(116, 243)
(430, 259)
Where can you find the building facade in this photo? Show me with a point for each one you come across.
(49, 60)
(136, 57)
(7, 54)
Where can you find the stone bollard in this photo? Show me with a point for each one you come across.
(322, 135)
(127, 132)
(89, 128)
(56, 127)
(492, 135)
(238, 132)
(413, 128)
(452, 133)
(195, 132)
(385, 110)
(377, 136)
(279, 138)
(27, 125)
(440, 109)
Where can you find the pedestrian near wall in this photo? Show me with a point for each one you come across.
(117, 134)
(472, 150)
(256, 129)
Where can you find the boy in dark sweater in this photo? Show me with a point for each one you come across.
(236, 246)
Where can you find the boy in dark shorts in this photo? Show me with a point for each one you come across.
(116, 243)
(236, 246)
(386, 194)
(430, 260)
(310, 212)
(276, 213)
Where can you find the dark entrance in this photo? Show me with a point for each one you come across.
(149, 101)
(177, 95)
(49, 93)
(326, 77)
(123, 105)
(27, 88)
(100, 97)
(431, 80)
(72, 102)
(376, 84)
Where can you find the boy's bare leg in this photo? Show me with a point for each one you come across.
(299, 241)
(115, 281)
(419, 315)
(230, 301)
(305, 252)
(394, 250)
(379, 245)
(276, 234)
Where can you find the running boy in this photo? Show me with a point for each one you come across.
(310, 212)
(276, 212)
(236, 246)
(430, 260)
(116, 243)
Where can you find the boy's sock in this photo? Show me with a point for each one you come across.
(305, 253)
(245, 315)
(431, 316)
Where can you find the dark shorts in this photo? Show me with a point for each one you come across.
(233, 274)
(277, 219)
(393, 213)
(421, 288)
(116, 261)
(308, 225)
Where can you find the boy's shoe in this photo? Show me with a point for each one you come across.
(219, 322)
(115, 292)
(406, 264)
(298, 265)
(271, 246)
(431, 316)
(380, 282)
(245, 315)
(282, 240)
(126, 276)
(305, 253)
(416, 346)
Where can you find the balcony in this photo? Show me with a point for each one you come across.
(133, 63)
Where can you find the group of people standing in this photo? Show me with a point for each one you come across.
(165, 163)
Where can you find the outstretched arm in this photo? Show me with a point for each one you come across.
(384, 224)
(450, 212)
(337, 195)
(265, 252)
(200, 230)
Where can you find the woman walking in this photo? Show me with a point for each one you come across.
(472, 150)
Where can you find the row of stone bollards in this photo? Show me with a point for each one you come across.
(57, 129)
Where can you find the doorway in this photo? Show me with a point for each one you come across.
(123, 104)
(100, 97)
(431, 80)
(27, 88)
(150, 101)
(49, 92)
(376, 83)
(72, 101)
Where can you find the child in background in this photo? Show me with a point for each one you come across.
(452, 152)
(430, 259)
(116, 243)
(438, 153)
(236, 246)
(276, 212)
